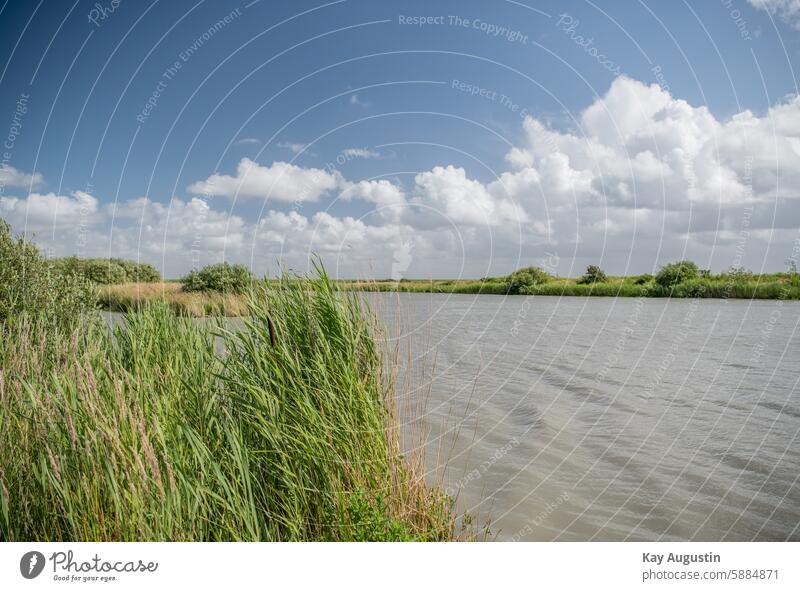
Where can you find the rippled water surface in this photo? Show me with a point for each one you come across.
(609, 419)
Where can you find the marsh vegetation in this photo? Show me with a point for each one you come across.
(169, 429)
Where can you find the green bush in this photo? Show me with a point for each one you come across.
(643, 279)
(675, 273)
(31, 287)
(138, 272)
(220, 277)
(105, 273)
(691, 288)
(738, 275)
(522, 280)
(109, 271)
(594, 274)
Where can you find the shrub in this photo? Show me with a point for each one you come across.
(738, 275)
(594, 274)
(675, 273)
(692, 288)
(104, 272)
(643, 279)
(522, 280)
(138, 272)
(30, 286)
(108, 271)
(220, 277)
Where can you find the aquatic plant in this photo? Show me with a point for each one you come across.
(282, 428)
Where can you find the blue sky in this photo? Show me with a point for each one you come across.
(404, 139)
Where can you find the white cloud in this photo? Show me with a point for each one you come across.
(294, 148)
(380, 192)
(280, 181)
(11, 177)
(787, 10)
(247, 141)
(642, 178)
(639, 146)
(365, 153)
(41, 211)
(389, 199)
(458, 199)
(357, 101)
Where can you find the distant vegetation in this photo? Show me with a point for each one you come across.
(594, 274)
(108, 271)
(674, 273)
(524, 281)
(202, 295)
(222, 277)
(31, 288)
(681, 279)
(126, 286)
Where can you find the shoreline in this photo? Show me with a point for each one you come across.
(127, 297)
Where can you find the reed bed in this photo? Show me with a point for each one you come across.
(130, 297)
(770, 288)
(133, 296)
(169, 429)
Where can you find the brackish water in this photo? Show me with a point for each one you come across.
(605, 419)
(608, 419)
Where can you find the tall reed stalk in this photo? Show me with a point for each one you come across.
(281, 428)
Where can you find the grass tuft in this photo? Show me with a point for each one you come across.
(169, 429)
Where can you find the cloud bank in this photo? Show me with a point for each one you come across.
(638, 179)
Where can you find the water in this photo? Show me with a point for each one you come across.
(609, 419)
(606, 419)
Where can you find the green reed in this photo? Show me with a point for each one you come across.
(166, 428)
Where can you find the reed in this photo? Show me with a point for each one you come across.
(282, 428)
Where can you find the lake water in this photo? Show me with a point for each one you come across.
(605, 419)
(608, 419)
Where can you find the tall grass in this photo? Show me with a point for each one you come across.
(131, 297)
(170, 429)
(766, 287)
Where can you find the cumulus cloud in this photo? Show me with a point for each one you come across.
(48, 210)
(641, 178)
(280, 181)
(11, 177)
(449, 192)
(787, 10)
(637, 146)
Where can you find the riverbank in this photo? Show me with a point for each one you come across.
(132, 296)
(150, 434)
(767, 289)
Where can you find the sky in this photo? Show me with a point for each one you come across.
(414, 139)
